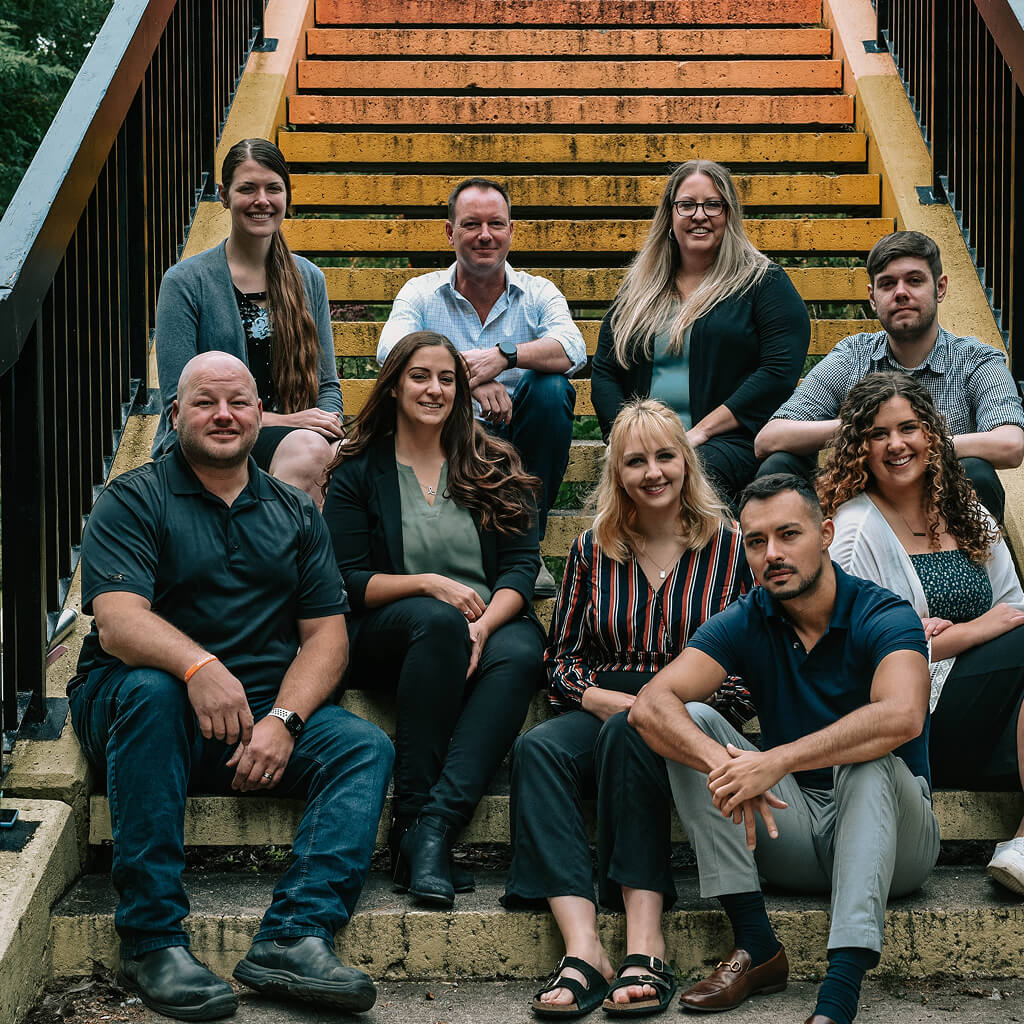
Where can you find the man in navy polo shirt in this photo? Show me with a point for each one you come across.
(218, 639)
(839, 800)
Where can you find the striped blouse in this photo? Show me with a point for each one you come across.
(608, 618)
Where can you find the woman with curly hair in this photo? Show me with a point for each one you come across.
(705, 323)
(906, 516)
(660, 558)
(434, 527)
(252, 297)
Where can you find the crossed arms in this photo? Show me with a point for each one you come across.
(740, 781)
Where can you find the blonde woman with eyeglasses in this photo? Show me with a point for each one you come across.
(705, 323)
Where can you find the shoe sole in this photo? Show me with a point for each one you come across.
(1007, 878)
(433, 899)
(768, 990)
(212, 1009)
(347, 995)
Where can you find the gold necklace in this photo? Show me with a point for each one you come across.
(662, 569)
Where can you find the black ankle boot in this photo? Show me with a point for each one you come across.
(423, 863)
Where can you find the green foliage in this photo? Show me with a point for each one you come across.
(42, 45)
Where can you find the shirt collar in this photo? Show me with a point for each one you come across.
(846, 593)
(937, 359)
(181, 478)
(513, 280)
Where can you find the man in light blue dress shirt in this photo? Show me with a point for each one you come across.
(514, 331)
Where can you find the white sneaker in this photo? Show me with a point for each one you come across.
(1007, 865)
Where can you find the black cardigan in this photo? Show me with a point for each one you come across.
(363, 511)
(747, 354)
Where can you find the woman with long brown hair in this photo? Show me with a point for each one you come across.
(906, 517)
(661, 557)
(705, 323)
(434, 526)
(252, 297)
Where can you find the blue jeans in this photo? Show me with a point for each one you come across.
(541, 430)
(138, 728)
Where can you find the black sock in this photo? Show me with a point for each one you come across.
(839, 992)
(751, 928)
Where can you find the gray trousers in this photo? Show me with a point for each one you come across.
(873, 836)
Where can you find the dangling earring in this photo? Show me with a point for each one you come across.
(671, 235)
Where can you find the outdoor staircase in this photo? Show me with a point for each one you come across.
(582, 107)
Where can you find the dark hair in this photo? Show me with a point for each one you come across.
(765, 487)
(477, 183)
(485, 473)
(948, 492)
(295, 352)
(900, 244)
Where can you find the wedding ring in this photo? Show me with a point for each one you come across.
(268, 775)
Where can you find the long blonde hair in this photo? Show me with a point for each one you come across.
(648, 290)
(701, 513)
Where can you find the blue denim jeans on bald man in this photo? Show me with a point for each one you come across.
(138, 729)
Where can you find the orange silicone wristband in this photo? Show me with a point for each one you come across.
(199, 664)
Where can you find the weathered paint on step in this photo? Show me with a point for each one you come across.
(801, 111)
(570, 76)
(359, 338)
(583, 192)
(379, 237)
(585, 285)
(475, 148)
(614, 13)
(542, 42)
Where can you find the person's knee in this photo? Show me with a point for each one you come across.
(352, 739)
(551, 393)
(707, 719)
(987, 486)
(301, 454)
(866, 777)
(787, 462)
(152, 693)
(616, 731)
(439, 623)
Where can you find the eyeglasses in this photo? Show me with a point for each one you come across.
(687, 207)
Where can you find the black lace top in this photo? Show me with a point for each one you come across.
(259, 339)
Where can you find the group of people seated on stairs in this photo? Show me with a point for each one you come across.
(271, 555)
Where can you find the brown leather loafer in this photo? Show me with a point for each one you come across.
(819, 1018)
(734, 979)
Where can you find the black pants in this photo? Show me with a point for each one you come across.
(452, 733)
(979, 472)
(972, 742)
(559, 764)
(729, 464)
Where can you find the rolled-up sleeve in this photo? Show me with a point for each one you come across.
(555, 321)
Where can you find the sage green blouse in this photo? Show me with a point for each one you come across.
(670, 375)
(442, 537)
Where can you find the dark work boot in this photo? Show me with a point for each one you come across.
(424, 866)
(307, 969)
(173, 982)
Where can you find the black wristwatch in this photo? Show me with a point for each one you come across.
(509, 351)
(292, 722)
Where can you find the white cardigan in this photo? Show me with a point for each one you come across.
(865, 546)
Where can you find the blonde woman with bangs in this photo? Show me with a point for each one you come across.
(660, 559)
(705, 323)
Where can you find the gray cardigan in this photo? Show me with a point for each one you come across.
(197, 312)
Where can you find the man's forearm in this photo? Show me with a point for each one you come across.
(801, 437)
(314, 673)
(661, 718)
(1002, 446)
(866, 734)
(545, 354)
(140, 637)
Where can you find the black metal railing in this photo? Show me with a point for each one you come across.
(962, 63)
(100, 215)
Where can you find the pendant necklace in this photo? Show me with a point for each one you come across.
(662, 569)
(913, 532)
(430, 490)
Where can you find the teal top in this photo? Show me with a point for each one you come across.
(955, 587)
(670, 375)
(442, 537)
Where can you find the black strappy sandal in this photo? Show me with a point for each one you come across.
(587, 999)
(662, 979)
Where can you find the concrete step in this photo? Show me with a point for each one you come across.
(505, 150)
(328, 236)
(802, 112)
(359, 338)
(568, 42)
(264, 821)
(585, 193)
(611, 13)
(580, 285)
(540, 77)
(959, 924)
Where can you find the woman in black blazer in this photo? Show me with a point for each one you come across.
(705, 323)
(435, 531)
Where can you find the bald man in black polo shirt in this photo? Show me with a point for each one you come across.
(218, 638)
